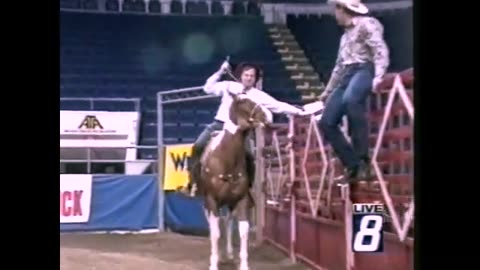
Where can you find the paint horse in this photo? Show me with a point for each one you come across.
(223, 178)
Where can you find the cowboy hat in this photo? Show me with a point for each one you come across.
(353, 5)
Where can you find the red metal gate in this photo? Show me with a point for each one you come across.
(304, 214)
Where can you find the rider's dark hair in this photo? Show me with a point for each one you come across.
(240, 68)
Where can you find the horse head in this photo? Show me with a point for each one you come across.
(248, 114)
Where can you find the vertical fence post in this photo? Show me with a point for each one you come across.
(161, 161)
(293, 209)
(89, 162)
(259, 182)
(349, 255)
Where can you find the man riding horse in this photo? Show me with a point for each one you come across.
(224, 179)
(248, 75)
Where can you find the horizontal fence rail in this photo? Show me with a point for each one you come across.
(92, 101)
(89, 160)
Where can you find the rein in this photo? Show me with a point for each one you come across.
(250, 118)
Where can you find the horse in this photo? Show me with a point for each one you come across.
(223, 178)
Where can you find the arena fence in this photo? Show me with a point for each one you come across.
(109, 203)
(98, 103)
(302, 212)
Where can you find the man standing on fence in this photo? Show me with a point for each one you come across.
(363, 58)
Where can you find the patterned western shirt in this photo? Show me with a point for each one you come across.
(362, 42)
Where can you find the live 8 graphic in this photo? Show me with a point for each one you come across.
(367, 227)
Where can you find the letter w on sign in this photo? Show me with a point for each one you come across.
(179, 161)
(75, 198)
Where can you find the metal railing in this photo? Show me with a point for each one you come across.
(165, 8)
(176, 96)
(92, 101)
(397, 88)
(401, 230)
(89, 161)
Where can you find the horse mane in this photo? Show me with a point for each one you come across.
(235, 114)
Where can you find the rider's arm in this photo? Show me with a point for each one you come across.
(335, 77)
(373, 32)
(274, 105)
(213, 86)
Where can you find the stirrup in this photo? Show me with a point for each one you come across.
(184, 190)
(190, 192)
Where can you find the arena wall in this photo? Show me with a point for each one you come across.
(110, 203)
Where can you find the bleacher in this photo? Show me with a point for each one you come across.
(134, 56)
(239, 7)
(319, 1)
(319, 37)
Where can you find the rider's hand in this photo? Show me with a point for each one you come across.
(224, 67)
(303, 113)
(375, 83)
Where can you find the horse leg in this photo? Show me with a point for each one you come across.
(243, 229)
(213, 222)
(212, 214)
(229, 227)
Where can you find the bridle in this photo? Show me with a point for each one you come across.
(252, 112)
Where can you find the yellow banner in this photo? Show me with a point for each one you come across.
(176, 162)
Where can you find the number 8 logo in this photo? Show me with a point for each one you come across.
(365, 231)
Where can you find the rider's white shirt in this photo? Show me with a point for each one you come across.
(212, 86)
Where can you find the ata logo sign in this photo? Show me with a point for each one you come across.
(367, 227)
(90, 122)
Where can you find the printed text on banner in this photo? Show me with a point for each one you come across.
(176, 164)
(75, 198)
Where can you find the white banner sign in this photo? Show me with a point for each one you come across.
(98, 129)
(75, 198)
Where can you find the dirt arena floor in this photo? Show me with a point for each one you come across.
(158, 251)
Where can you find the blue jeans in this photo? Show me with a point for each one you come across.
(349, 98)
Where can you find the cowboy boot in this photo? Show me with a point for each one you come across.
(361, 172)
(349, 176)
(195, 179)
(186, 189)
(365, 172)
(192, 176)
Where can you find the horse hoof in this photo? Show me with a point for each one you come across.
(230, 257)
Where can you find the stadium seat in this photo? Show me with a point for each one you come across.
(154, 6)
(123, 56)
(321, 48)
